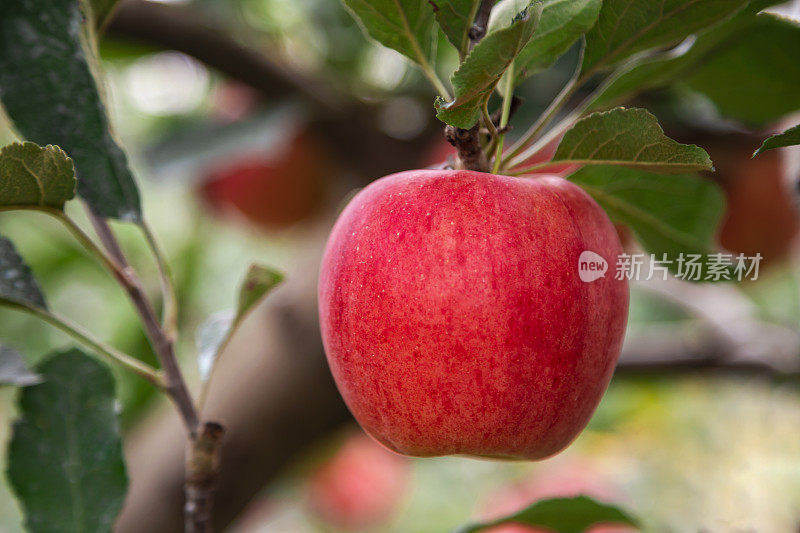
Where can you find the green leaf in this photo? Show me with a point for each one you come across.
(403, 25)
(215, 332)
(562, 23)
(456, 17)
(668, 214)
(210, 338)
(627, 27)
(756, 77)
(790, 137)
(65, 460)
(673, 65)
(630, 138)
(482, 69)
(17, 284)
(259, 281)
(14, 371)
(564, 515)
(49, 93)
(32, 177)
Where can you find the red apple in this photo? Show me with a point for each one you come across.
(454, 318)
(270, 190)
(360, 486)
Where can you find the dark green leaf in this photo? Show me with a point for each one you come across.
(790, 137)
(17, 284)
(216, 331)
(14, 371)
(65, 460)
(668, 214)
(33, 177)
(49, 93)
(671, 66)
(756, 77)
(482, 69)
(562, 515)
(403, 25)
(562, 23)
(456, 17)
(630, 138)
(627, 27)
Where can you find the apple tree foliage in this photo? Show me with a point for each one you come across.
(65, 453)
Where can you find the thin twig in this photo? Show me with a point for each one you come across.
(138, 367)
(575, 82)
(170, 311)
(162, 345)
(508, 99)
(481, 24)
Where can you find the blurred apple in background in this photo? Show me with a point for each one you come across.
(361, 486)
(566, 480)
(271, 190)
(761, 216)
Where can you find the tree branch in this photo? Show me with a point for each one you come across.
(180, 28)
(162, 346)
(349, 126)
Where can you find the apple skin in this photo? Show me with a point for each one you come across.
(453, 317)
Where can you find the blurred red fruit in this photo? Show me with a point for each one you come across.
(360, 486)
(272, 190)
(760, 215)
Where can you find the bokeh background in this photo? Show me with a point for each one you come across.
(250, 123)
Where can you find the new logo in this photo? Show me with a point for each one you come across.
(591, 266)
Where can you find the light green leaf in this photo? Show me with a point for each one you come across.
(49, 93)
(482, 69)
(627, 27)
(32, 177)
(210, 338)
(65, 460)
(629, 138)
(563, 515)
(14, 370)
(790, 137)
(215, 333)
(756, 77)
(17, 284)
(671, 66)
(562, 23)
(257, 283)
(456, 17)
(668, 214)
(403, 25)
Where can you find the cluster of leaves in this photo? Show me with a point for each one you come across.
(65, 456)
(731, 52)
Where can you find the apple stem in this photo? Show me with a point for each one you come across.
(470, 154)
(467, 142)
